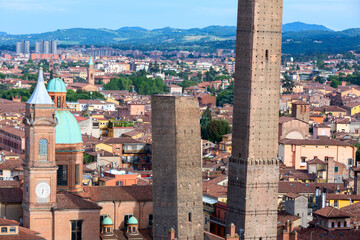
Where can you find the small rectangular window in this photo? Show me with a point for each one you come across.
(13, 229)
(336, 169)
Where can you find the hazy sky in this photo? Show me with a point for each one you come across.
(35, 16)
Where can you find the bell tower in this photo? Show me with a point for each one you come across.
(91, 72)
(40, 168)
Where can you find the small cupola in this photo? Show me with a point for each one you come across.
(57, 91)
(107, 226)
(132, 226)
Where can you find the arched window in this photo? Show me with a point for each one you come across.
(43, 147)
(339, 224)
(333, 224)
(345, 224)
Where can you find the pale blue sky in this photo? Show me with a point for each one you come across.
(35, 16)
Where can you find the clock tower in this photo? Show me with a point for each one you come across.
(40, 169)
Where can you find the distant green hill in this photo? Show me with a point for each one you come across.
(316, 38)
(299, 26)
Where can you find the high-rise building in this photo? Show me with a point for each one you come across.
(46, 47)
(54, 47)
(253, 167)
(18, 48)
(26, 47)
(23, 47)
(177, 181)
(38, 47)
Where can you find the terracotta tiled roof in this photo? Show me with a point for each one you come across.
(8, 222)
(11, 195)
(67, 200)
(121, 140)
(292, 195)
(320, 141)
(333, 109)
(330, 196)
(11, 164)
(283, 217)
(312, 233)
(353, 208)
(316, 161)
(322, 125)
(300, 103)
(284, 119)
(9, 184)
(119, 193)
(294, 187)
(331, 212)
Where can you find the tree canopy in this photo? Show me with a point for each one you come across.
(142, 84)
(73, 96)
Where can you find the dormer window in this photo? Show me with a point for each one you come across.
(4, 230)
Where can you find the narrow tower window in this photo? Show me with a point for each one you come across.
(58, 102)
(62, 175)
(43, 147)
(76, 174)
(190, 217)
(267, 54)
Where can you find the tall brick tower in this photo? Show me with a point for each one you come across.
(39, 166)
(253, 167)
(177, 182)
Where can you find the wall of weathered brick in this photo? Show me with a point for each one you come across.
(177, 183)
(253, 168)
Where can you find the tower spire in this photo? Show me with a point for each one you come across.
(91, 61)
(40, 94)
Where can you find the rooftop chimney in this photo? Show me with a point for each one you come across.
(323, 198)
(171, 234)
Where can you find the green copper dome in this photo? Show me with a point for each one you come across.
(133, 220)
(67, 129)
(107, 221)
(56, 85)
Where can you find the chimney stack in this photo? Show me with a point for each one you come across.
(323, 198)
(232, 234)
(171, 234)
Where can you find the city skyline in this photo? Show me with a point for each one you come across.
(29, 16)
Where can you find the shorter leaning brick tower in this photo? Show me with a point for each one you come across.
(177, 182)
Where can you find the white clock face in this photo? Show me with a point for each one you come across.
(42, 190)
